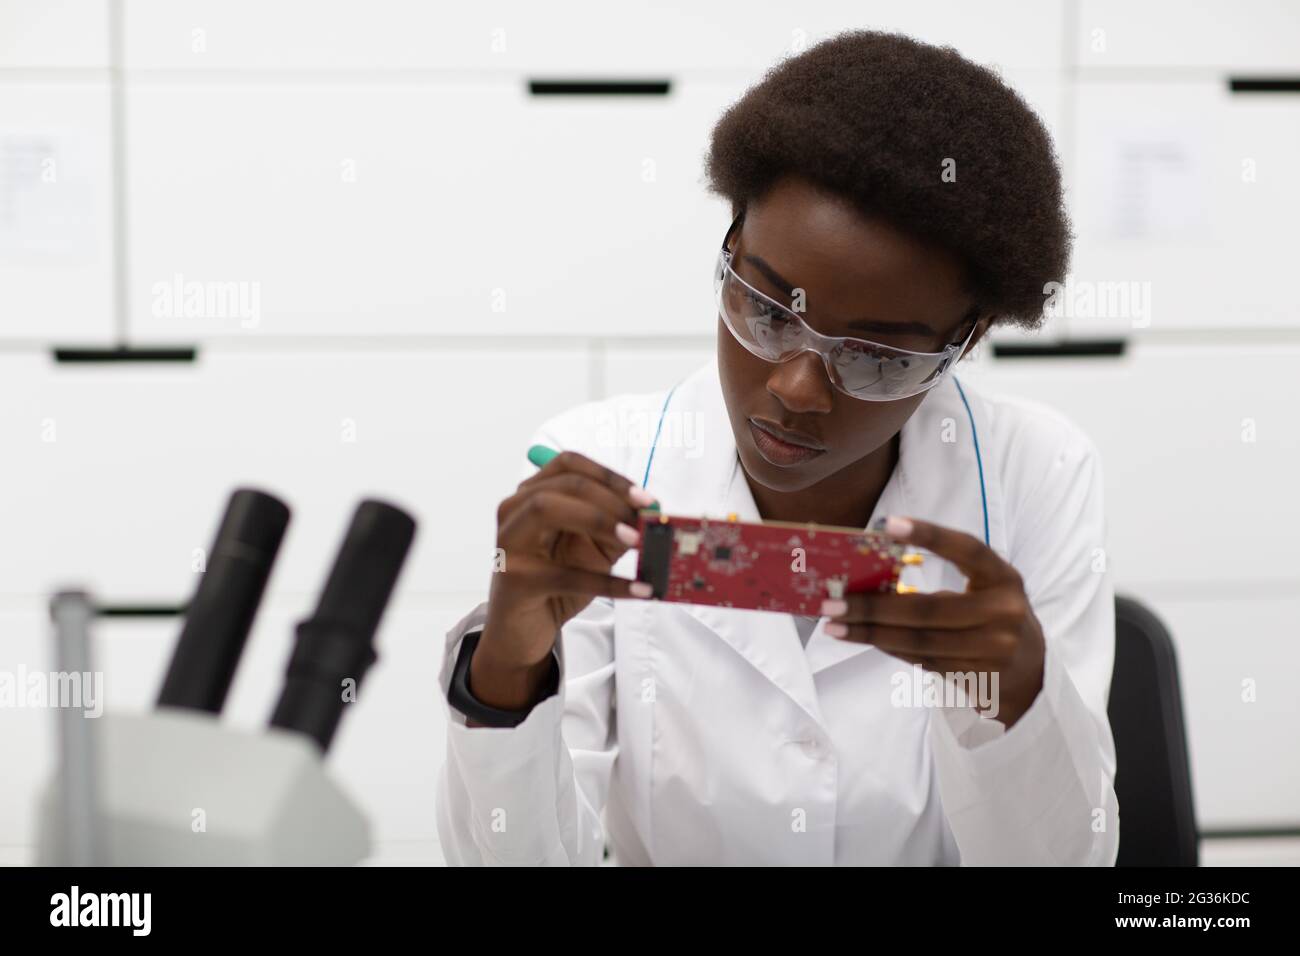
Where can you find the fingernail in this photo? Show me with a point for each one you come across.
(834, 608)
(837, 630)
(639, 496)
(641, 589)
(897, 527)
(627, 534)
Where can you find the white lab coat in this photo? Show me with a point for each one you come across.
(712, 736)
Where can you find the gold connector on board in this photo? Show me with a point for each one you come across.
(913, 558)
(906, 588)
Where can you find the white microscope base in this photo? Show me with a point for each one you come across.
(177, 788)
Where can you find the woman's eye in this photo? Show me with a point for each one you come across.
(766, 310)
(860, 349)
(886, 346)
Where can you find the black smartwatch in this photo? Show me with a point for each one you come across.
(459, 696)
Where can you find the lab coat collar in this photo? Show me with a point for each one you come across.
(938, 478)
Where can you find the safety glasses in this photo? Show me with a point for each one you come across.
(862, 369)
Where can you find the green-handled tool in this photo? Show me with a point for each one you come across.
(540, 455)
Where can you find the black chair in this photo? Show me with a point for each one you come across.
(1153, 780)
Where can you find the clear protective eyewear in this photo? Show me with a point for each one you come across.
(860, 368)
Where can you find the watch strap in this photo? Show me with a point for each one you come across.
(460, 696)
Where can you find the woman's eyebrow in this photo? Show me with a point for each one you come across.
(862, 325)
(882, 325)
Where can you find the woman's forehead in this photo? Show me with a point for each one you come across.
(868, 278)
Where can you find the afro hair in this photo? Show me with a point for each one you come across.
(877, 118)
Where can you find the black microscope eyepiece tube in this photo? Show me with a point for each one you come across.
(221, 612)
(335, 645)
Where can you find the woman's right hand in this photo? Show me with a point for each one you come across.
(559, 535)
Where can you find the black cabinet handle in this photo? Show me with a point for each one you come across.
(1264, 84)
(1070, 348)
(595, 87)
(140, 610)
(123, 353)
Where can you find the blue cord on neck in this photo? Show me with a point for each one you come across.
(663, 411)
(979, 459)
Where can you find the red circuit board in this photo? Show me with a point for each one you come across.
(764, 566)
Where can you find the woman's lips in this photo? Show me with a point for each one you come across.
(778, 452)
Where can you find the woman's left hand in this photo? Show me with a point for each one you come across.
(990, 627)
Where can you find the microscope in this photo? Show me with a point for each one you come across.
(175, 786)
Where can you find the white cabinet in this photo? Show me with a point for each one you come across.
(573, 37)
(1185, 199)
(385, 207)
(1183, 193)
(56, 209)
(379, 169)
(1251, 36)
(1199, 446)
(377, 208)
(54, 33)
(126, 469)
(1235, 656)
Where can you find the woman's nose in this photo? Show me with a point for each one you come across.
(802, 385)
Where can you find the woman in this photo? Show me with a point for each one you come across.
(892, 202)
